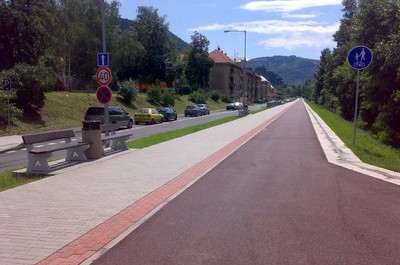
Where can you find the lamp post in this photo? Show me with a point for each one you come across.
(244, 64)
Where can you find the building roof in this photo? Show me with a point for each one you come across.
(220, 57)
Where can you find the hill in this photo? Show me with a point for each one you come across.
(292, 69)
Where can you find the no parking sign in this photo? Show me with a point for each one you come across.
(104, 94)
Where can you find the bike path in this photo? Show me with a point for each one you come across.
(275, 200)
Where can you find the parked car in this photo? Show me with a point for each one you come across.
(148, 116)
(230, 106)
(193, 110)
(234, 106)
(116, 115)
(168, 113)
(205, 110)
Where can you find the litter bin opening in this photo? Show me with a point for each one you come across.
(91, 125)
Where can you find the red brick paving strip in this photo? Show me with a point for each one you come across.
(88, 244)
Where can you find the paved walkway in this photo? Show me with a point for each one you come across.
(82, 211)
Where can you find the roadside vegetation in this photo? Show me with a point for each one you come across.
(368, 148)
(67, 110)
(334, 83)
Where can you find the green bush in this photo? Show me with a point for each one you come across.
(215, 95)
(198, 97)
(226, 99)
(185, 90)
(154, 95)
(30, 83)
(14, 111)
(127, 91)
(168, 99)
(160, 96)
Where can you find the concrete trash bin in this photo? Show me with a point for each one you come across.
(91, 133)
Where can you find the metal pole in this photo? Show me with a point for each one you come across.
(356, 108)
(9, 112)
(103, 33)
(245, 67)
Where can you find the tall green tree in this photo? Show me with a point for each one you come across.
(152, 32)
(80, 36)
(199, 64)
(128, 51)
(25, 27)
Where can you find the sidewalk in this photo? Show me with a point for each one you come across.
(83, 210)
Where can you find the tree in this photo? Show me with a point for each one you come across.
(152, 31)
(25, 28)
(198, 65)
(128, 51)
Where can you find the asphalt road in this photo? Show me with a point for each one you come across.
(276, 200)
(18, 159)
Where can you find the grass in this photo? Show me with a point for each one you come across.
(163, 137)
(67, 109)
(367, 148)
(7, 181)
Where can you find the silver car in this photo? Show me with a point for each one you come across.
(116, 115)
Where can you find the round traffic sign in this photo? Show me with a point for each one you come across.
(103, 76)
(104, 94)
(360, 57)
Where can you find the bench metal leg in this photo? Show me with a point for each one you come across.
(76, 154)
(38, 163)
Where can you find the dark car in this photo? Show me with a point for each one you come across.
(193, 110)
(117, 115)
(168, 113)
(204, 109)
(230, 106)
(234, 106)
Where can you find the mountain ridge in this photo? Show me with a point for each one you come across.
(292, 69)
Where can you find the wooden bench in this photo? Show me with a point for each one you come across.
(39, 150)
(117, 141)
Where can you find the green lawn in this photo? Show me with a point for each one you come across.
(163, 137)
(367, 148)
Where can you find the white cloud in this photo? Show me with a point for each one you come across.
(274, 27)
(298, 40)
(284, 34)
(300, 16)
(287, 5)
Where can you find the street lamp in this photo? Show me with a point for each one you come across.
(244, 65)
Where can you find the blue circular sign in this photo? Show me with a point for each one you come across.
(360, 57)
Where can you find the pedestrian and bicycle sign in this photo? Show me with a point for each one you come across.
(104, 94)
(103, 76)
(360, 57)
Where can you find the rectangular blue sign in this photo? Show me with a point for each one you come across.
(7, 84)
(102, 59)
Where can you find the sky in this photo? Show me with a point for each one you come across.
(274, 27)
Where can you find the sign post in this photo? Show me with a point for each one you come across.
(7, 86)
(359, 58)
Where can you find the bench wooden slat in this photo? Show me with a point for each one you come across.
(47, 136)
